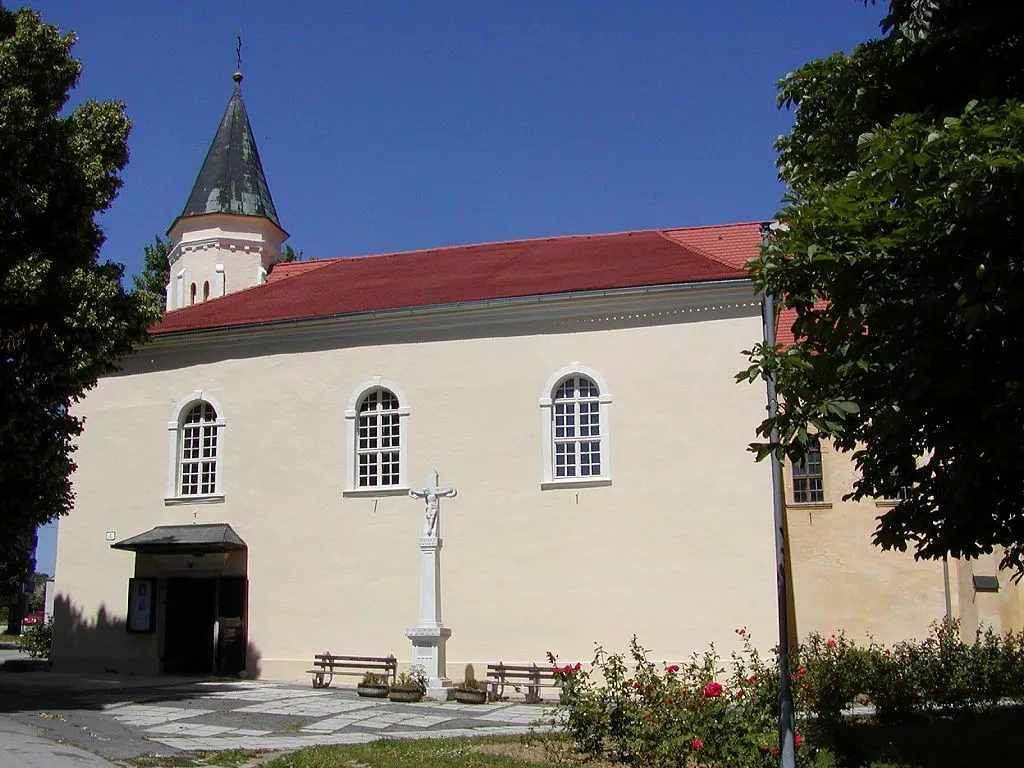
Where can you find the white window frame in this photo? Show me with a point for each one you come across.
(352, 487)
(548, 479)
(174, 435)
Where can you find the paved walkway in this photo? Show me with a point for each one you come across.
(23, 747)
(123, 718)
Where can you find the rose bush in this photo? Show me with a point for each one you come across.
(711, 713)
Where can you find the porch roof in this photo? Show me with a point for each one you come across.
(184, 539)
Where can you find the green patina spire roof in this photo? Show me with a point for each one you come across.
(232, 179)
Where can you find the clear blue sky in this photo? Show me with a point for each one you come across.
(389, 126)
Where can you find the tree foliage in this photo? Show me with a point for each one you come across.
(64, 317)
(899, 247)
(151, 283)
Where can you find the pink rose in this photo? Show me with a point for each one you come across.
(697, 744)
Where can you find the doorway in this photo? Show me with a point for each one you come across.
(190, 611)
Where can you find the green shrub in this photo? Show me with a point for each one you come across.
(37, 639)
(703, 712)
(672, 715)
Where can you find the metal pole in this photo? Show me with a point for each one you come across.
(787, 745)
(949, 597)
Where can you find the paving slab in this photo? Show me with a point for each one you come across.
(123, 717)
(22, 746)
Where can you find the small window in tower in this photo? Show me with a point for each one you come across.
(206, 290)
(192, 294)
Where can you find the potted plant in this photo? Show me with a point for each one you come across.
(469, 691)
(409, 685)
(373, 686)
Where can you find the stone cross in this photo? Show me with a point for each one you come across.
(431, 494)
(430, 635)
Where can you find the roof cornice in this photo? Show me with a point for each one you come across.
(578, 311)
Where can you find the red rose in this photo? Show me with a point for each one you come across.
(577, 667)
(697, 744)
(673, 668)
(831, 643)
(800, 672)
(712, 690)
(668, 701)
(750, 679)
(636, 684)
(798, 740)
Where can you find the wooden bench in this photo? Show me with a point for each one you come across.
(527, 676)
(327, 665)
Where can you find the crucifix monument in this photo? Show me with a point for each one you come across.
(430, 635)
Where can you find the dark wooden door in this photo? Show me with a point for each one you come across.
(188, 626)
(231, 616)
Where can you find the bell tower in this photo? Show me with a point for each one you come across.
(228, 236)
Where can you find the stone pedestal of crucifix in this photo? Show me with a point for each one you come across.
(430, 635)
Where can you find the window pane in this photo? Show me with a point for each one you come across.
(377, 438)
(575, 428)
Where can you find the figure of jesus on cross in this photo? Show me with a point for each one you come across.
(431, 495)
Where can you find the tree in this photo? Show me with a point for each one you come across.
(64, 317)
(290, 254)
(899, 247)
(151, 284)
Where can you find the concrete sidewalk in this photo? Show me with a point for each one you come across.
(121, 717)
(24, 747)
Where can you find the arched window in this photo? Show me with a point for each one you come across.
(809, 477)
(192, 294)
(574, 425)
(376, 439)
(196, 443)
(206, 290)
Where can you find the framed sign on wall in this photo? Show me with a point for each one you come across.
(141, 605)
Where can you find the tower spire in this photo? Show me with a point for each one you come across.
(231, 179)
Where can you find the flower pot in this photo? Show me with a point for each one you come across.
(475, 696)
(372, 691)
(404, 694)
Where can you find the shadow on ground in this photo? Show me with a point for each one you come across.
(937, 741)
(104, 641)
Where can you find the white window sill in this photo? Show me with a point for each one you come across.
(210, 498)
(576, 482)
(375, 491)
(886, 502)
(810, 504)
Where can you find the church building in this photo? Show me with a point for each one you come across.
(243, 484)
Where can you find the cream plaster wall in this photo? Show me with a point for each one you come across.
(678, 549)
(842, 581)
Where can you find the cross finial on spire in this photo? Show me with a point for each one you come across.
(237, 77)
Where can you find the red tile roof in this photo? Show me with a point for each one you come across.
(304, 290)
(784, 329)
(292, 268)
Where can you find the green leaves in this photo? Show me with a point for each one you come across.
(64, 317)
(899, 263)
